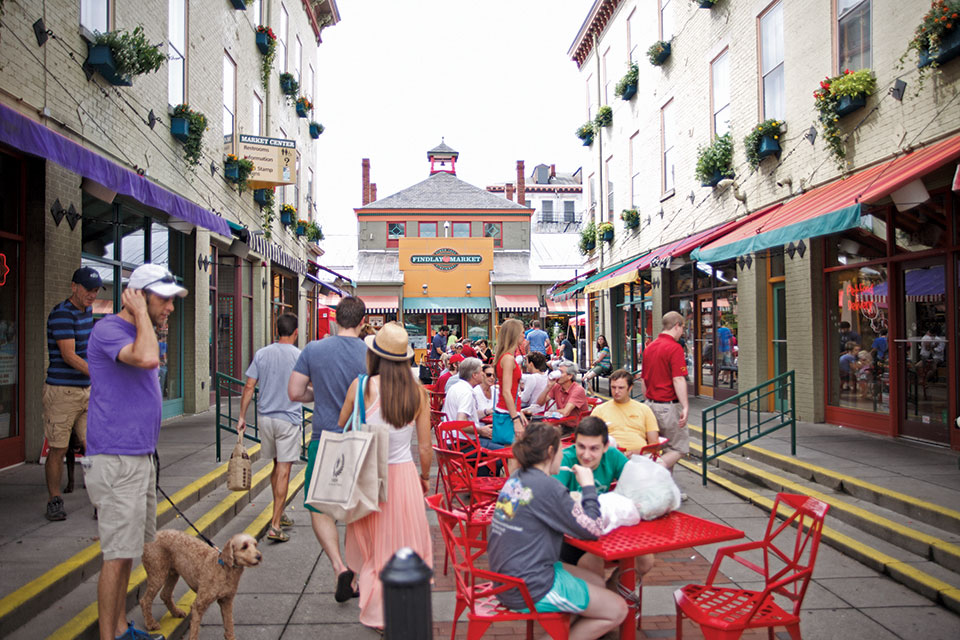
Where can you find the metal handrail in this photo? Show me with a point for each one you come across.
(747, 404)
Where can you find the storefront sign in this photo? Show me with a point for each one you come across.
(4, 269)
(446, 259)
(274, 161)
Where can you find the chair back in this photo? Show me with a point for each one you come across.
(462, 549)
(437, 396)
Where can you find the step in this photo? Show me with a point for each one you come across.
(36, 594)
(77, 606)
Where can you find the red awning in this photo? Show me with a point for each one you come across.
(832, 208)
(518, 303)
(563, 306)
(381, 304)
(685, 245)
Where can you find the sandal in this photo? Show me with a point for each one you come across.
(285, 520)
(345, 587)
(277, 535)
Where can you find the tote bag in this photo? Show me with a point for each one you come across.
(350, 470)
(238, 469)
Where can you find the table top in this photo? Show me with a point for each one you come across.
(674, 531)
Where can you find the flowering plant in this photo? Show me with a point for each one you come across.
(751, 143)
(715, 158)
(630, 217)
(603, 229)
(658, 52)
(939, 22)
(267, 30)
(314, 232)
(604, 117)
(630, 79)
(197, 123)
(244, 168)
(289, 209)
(132, 54)
(588, 238)
(266, 64)
(304, 103)
(586, 131)
(827, 99)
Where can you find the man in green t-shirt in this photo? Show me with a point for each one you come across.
(591, 448)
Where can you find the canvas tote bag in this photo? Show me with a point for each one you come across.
(347, 482)
(238, 469)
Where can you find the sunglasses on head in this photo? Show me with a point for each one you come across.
(167, 279)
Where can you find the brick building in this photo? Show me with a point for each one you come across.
(92, 174)
(800, 255)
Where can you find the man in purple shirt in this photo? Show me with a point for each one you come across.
(123, 426)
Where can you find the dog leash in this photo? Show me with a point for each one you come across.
(156, 459)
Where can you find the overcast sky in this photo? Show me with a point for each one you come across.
(492, 78)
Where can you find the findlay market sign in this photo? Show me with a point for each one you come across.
(446, 259)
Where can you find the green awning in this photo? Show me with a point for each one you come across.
(569, 292)
(446, 305)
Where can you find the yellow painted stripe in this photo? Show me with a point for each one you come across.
(88, 617)
(38, 585)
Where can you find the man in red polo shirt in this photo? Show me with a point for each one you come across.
(664, 383)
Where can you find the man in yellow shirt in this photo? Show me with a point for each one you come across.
(632, 424)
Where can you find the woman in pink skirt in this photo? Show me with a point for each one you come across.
(395, 398)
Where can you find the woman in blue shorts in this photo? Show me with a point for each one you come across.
(533, 513)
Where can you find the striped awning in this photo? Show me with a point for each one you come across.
(624, 275)
(563, 306)
(381, 304)
(446, 305)
(518, 303)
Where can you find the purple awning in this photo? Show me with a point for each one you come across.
(31, 137)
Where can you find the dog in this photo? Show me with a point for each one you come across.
(213, 576)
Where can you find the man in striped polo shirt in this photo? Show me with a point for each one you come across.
(67, 387)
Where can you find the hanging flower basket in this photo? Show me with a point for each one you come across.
(237, 170)
(301, 228)
(239, 5)
(658, 52)
(180, 128)
(627, 86)
(706, 4)
(289, 85)
(263, 42)
(631, 218)
(715, 161)
(231, 172)
(120, 55)
(303, 107)
(588, 238)
(585, 133)
(763, 141)
(100, 59)
(315, 130)
(849, 104)
(605, 232)
(769, 146)
(713, 180)
(949, 49)
(287, 214)
(262, 196)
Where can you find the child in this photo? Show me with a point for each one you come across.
(533, 513)
(864, 373)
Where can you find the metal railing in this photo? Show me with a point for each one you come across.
(229, 390)
(749, 408)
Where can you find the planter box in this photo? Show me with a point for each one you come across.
(588, 141)
(286, 85)
(706, 4)
(180, 129)
(100, 59)
(768, 147)
(629, 92)
(315, 131)
(664, 54)
(286, 218)
(239, 5)
(261, 196)
(231, 172)
(591, 245)
(850, 104)
(301, 111)
(607, 236)
(714, 179)
(949, 49)
(263, 43)
(301, 230)
(631, 224)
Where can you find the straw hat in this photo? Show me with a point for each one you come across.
(391, 342)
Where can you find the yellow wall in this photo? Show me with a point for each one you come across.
(446, 283)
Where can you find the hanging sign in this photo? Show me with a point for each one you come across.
(274, 161)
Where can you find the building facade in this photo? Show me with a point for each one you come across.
(780, 264)
(95, 174)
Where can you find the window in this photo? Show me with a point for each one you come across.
(229, 101)
(427, 230)
(666, 20)
(591, 187)
(298, 61)
(591, 97)
(177, 38)
(569, 211)
(256, 124)
(310, 197)
(853, 35)
(546, 211)
(256, 11)
(636, 153)
(633, 36)
(667, 134)
(771, 61)
(606, 76)
(95, 15)
(282, 38)
(494, 230)
(720, 93)
(309, 80)
(461, 229)
(606, 170)
(395, 231)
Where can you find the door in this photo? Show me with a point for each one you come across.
(779, 341)
(921, 352)
(705, 351)
(12, 315)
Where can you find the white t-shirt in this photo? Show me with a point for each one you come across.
(533, 386)
(460, 399)
(484, 403)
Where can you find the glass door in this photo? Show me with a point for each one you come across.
(688, 341)
(706, 353)
(12, 316)
(779, 340)
(922, 350)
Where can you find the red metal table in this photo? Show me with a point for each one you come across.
(674, 531)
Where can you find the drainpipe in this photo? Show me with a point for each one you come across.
(600, 180)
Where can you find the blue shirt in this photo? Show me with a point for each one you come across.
(331, 364)
(538, 340)
(723, 338)
(880, 344)
(437, 346)
(66, 322)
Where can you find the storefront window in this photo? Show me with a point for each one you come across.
(922, 227)
(681, 280)
(283, 299)
(9, 336)
(478, 326)
(857, 346)
(416, 326)
(863, 244)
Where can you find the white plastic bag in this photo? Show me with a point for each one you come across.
(617, 511)
(649, 486)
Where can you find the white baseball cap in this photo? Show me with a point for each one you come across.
(156, 279)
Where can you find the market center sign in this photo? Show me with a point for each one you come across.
(274, 161)
(446, 259)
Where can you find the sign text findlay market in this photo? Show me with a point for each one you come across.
(446, 259)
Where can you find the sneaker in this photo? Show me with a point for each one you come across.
(133, 633)
(55, 509)
(683, 497)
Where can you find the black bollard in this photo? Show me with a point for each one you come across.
(406, 597)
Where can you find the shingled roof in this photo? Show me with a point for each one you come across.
(444, 191)
(442, 150)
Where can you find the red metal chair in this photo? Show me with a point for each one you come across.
(477, 588)
(789, 554)
(459, 435)
(436, 399)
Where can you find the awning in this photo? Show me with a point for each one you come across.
(323, 285)
(562, 306)
(345, 279)
(381, 304)
(662, 255)
(328, 300)
(31, 137)
(518, 303)
(923, 285)
(832, 208)
(625, 274)
(446, 305)
(569, 292)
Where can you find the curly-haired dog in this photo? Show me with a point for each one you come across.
(214, 577)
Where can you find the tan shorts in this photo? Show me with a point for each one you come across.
(124, 491)
(64, 411)
(279, 439)
(668, 419)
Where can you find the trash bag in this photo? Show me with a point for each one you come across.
(650, 487)
(617, 511)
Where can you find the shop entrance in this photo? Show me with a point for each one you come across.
(922, 352)
(778, 340)
(12, 178)
(705, 352)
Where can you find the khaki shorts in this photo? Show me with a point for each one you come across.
(64, 411)
(124, 491)
(668, 419)
(279, 439)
